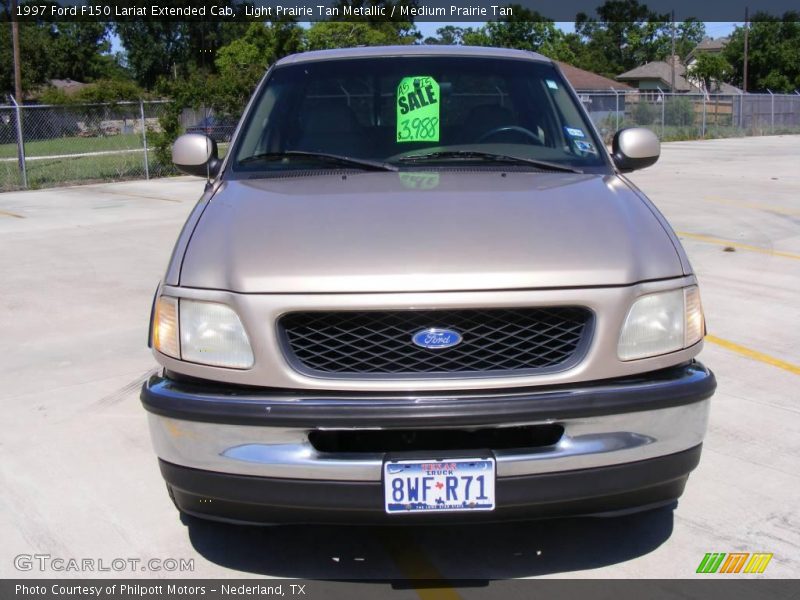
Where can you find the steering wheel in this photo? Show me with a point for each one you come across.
(510, 128)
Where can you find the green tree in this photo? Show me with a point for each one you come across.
(688, 34)
(653, 40)
(628, 34)
(64, 50)
(102, 91)
(449, 35)
(260, 46)
(476, 37)
(81, 51)
(623, 36)
(347, 32)
(774, 53)
(191, 91)
(323, 35)
(524, 30)
(587, 57)
(34, 41)
(242, 63)
(106, 91)
(238, 66)
(710, 69)
(154, 49)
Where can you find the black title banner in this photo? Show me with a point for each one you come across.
(389, 10)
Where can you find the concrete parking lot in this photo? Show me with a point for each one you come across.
(78, 267)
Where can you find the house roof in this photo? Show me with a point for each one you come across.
(587, 81)
(711, 45)
(724, 88)
(660, 71)
(67, 85)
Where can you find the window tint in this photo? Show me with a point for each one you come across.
(386, 108)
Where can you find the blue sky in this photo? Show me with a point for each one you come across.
(713, 29)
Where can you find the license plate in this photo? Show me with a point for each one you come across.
(414, 486)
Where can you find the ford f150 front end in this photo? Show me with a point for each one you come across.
(419, 288)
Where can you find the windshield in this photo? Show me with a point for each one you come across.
(415, 112)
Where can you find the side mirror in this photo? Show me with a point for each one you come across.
(196, 154)
(635, 148)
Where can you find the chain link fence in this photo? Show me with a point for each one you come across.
(676, 117)
(63, 145)
(67, 144)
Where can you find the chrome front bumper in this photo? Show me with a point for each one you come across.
(257, 434)
(286, 452)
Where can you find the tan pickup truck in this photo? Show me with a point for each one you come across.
(418, 288)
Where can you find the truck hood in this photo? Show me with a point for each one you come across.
(433, 231)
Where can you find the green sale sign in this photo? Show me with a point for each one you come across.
(418, 109)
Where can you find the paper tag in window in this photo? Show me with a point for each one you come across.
(418, 109)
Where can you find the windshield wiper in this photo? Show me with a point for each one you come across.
(489, 156)
(363, 163)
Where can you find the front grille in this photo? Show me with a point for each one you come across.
(351, 343)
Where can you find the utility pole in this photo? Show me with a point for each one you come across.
(17, 98)
(746, 40)
(15, 50)
(672, 56)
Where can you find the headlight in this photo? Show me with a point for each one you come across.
(165, 327)
(695, 323)
(662, 323)
(202, 332)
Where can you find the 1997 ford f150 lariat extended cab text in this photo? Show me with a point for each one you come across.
(419, 288)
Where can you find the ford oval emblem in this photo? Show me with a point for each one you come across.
(436, 339)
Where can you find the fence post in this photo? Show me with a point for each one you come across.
(772, 112)
(703, 129)
(663, 103)
(741, 110)
(616, 108)
(20, 143)
(144, 140)
(793, 118)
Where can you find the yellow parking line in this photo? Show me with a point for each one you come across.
(409, 557)
(144, 196)
(770, 208)
(754, 354)
(712, 240)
